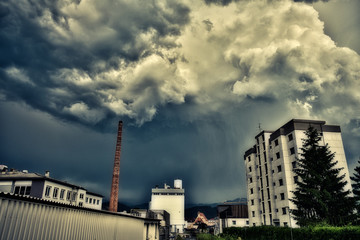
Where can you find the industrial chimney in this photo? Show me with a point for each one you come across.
(114, 194)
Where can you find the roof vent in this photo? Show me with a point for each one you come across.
(47, 173)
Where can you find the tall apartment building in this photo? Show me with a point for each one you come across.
(270, 164)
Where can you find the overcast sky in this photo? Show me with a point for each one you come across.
(191, 80)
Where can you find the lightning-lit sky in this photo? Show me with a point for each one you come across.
(192, 80)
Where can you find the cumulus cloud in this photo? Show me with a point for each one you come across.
(129, 60)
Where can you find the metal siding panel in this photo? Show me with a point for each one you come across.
(3, 213)
(28, 220)
(29, 211)
(11, 219)
(22, 221)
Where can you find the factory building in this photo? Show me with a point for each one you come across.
(47, 188)
(171, 200)
(270, 164)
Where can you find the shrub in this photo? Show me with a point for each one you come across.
(284, 233)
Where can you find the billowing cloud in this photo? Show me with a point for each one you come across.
(227, 66)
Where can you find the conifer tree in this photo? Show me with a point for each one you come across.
(320, 196)
(356, 186)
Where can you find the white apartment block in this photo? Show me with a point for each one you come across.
(44, 187)
(171, 200)
(269, 169)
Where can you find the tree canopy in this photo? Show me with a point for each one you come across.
(320, 196)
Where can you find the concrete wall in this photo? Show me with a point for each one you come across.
(28, 218)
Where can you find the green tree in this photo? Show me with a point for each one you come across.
(320, 196)
(356, 186)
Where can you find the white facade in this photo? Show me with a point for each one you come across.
(44, 187)
(269, 169)
(171, 200)
(233, 222)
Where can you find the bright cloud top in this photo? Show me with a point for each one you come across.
(95, 61)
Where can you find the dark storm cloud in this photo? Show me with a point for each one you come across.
(44, 41)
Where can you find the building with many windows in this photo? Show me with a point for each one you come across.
(270, 164)
(44, 187)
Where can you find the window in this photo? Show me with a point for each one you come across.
(252, 201)
(285, 224)
(62, 193)
(268, 193)
(55, 193)
(250, 179)
(17, 190)
(277, 155)
(266, 169)
(293, 164)
(80, 204)
(276, 210)
(68, 195)
(276, 142)
(90, 200)
(249, 159)
(281, 182)
(264, 156)
(264, 146)
(234, 222)
(290, 137)
(22, 190)
(269, 203)
(267, 181)
(87, 199)
(81, 196)
(97, 202)
(251, 192)
(249, 169)
(27, 190)
(263, 206)
(292, 151)
(283, 211)
(253, 213)
(47, 191)
(279, 168)
(282, 196)
(74, 196)
(247, 222)
(296, 179)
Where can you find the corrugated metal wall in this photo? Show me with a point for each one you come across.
(22, 219)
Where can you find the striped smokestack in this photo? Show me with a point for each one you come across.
(114, 194)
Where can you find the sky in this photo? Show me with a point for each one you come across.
(191, 80)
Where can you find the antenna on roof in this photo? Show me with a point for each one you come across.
(260, 129)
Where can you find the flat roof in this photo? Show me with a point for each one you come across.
(167, 190)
